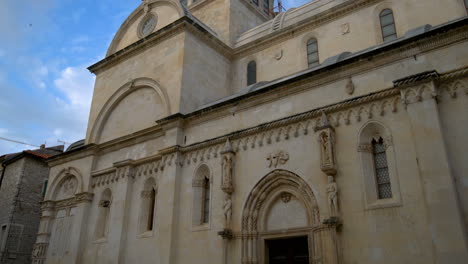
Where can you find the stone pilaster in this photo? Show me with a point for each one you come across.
(443, 210)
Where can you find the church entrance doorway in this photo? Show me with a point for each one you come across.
(287, 250)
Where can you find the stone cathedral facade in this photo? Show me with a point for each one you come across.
(223, 132)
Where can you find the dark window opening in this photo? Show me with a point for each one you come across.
(206, 201)
(251, 73)
(151, 210)
(288, 251)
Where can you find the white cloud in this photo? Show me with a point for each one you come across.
(76, 84)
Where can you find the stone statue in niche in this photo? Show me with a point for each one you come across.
(326, 139)
(227, 210)
(332, 196)
(277, 158)
(227, 185)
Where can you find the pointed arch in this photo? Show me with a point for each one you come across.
(201, 196)
(378, 163)
(270, 187)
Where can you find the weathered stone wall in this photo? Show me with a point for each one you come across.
(8, 196)
(20, 198)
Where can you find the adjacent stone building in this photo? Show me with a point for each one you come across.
(222, 132)
(23, 182)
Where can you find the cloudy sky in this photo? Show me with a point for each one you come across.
(45, 48)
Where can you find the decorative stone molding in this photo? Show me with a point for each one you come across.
(348, 112)
(277, 158)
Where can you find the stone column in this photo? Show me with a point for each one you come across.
(443, 210)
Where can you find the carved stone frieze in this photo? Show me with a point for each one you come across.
(277, 158)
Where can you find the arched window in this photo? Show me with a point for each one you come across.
(312, 52)
(251, 73)
(148, 206)
(387, 24)
(103, 214)
(206, 201)
(201, 196)
(378, 167)
(384, 189)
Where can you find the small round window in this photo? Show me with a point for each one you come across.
(147, 25)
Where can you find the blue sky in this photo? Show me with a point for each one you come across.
(45, 48)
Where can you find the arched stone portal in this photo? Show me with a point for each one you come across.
(282, 206)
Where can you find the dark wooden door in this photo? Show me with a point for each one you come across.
(288, 251)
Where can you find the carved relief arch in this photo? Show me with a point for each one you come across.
(149, 89)
(66, 184)
(278, 185)
(168, 11)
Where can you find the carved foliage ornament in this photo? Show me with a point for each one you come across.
(277, 158)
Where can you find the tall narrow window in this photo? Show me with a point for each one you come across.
(103, 214)
(255, 2)
(251, 73)
(148, 206)
(466, 5)
(151, 210)
(201, 197)
(312, 53)
(384, 189)
(387, 24)
(206, 201)
(44, 188)
(266, 6)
